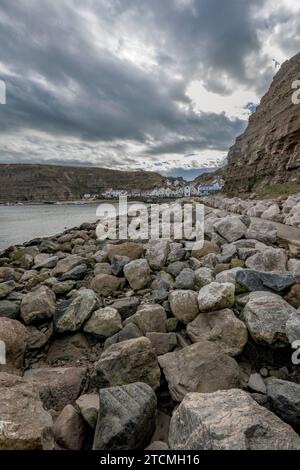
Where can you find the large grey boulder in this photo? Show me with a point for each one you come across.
(222, 328)
(203, 276)
(105, 284)
(24, 424)
(285, 399)
(149, 318)
(157, 253)
(38, 305)
(271, 259)
(70, 315)
(201, 367)
(104, 323)
(126, 419)
(128, 362)
(266, 315)
(184, 305)
(228, 420)
(230, 228)
(262, 231)
(264, 281)
(216, 296)
(57, 386)
(66, 264)
(137, 273)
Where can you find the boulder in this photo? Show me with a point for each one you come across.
(201, 367)
(175, 268)
(13, 336)
(228, 420)
(231, 228)
(66, 264)
(293, 326)
(57, 386)
(163, 342)
(117, 264)
(203, 276)
(69, 429)
(185, 279)
(130, 331)
(130, 249)
(264, 281)
(126, 306)
(88, 406)
(128, 362)
(102, 268)
(6, 288)
(36, 338)
(184, 305)
(228, 275)
(222, 328)
(273, 213)
(294, 268)
(262, 231)
(257, 384)
(105, 284)
(207, 248)
(68, 349)
(149, 318)
(137, 273)
(24, 424)
(75, 274)
(9, 309)
(104, 323)
(216, 296)
(47, 262)
(157, 253)
(271, 259)
(126, 418)
(285, 399)
(266, 315)
(38, 305)
(70, 315)
(176, 252)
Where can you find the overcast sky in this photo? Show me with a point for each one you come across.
(161, 85)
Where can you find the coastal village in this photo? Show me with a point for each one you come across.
(172, 189)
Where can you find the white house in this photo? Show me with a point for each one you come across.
(187, 191)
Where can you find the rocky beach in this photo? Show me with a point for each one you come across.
(151, 344)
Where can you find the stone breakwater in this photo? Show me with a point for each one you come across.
(285, 211)
(151, 344)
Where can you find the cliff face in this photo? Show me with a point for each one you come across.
(268, 153)
(61, 183)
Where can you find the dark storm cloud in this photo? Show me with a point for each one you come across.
(63, 82)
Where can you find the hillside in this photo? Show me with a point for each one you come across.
(267, 154)
(62, 183)
(208, 178)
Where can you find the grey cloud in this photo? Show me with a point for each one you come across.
(64, 83)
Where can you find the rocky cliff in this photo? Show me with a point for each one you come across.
(268, 153)
(61, 183)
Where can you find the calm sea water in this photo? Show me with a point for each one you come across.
(19, 224)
